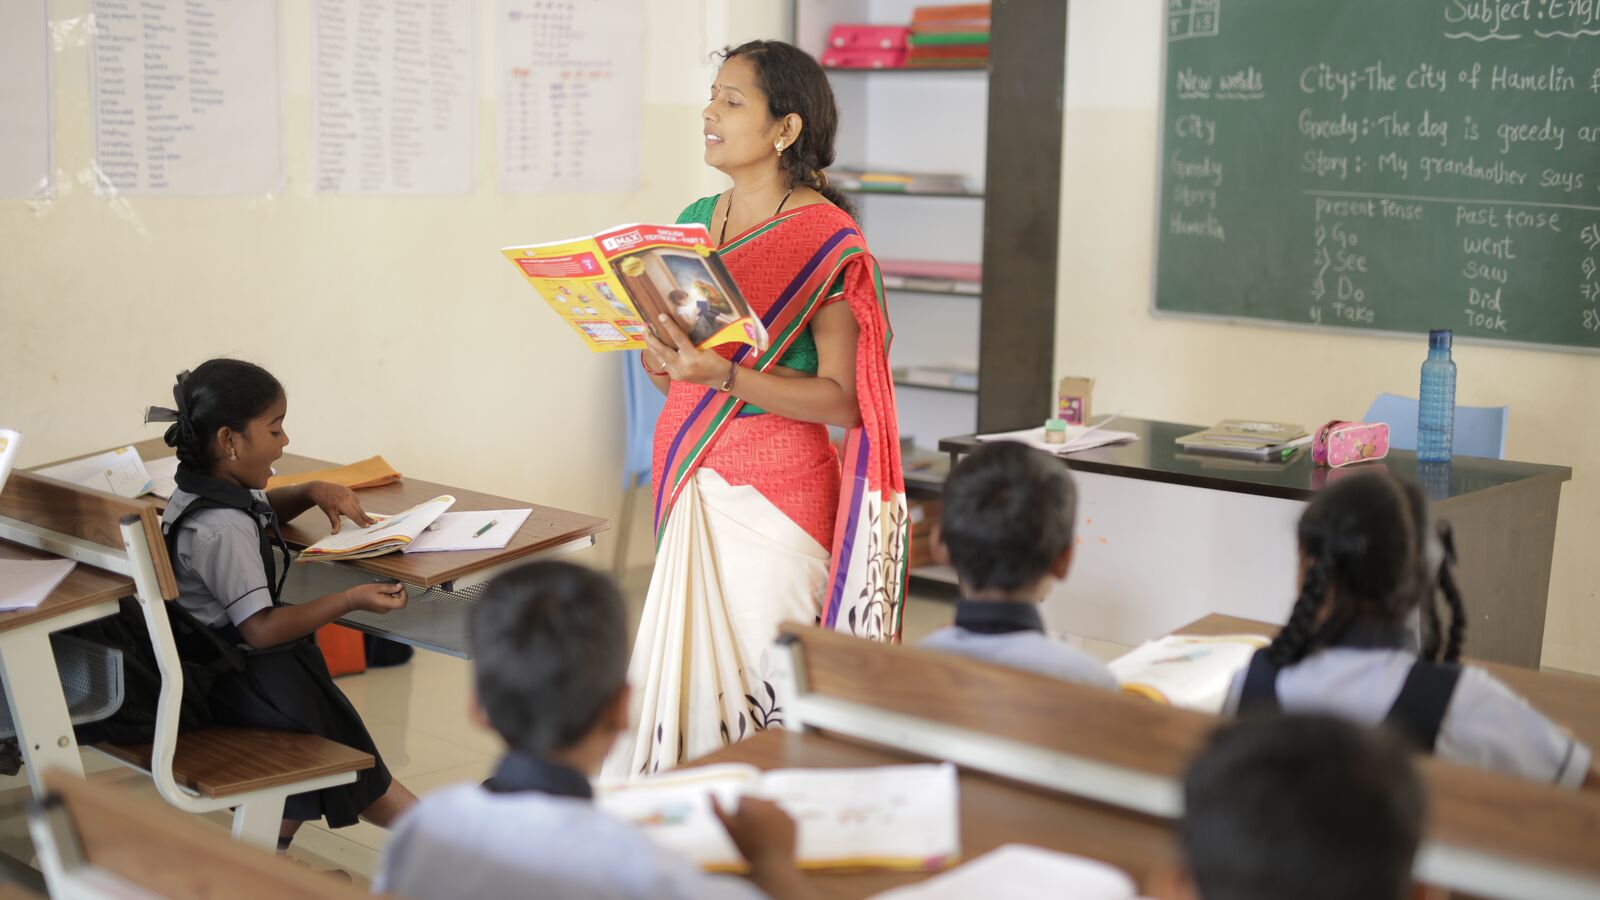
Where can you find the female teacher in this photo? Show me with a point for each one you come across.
(758, 520)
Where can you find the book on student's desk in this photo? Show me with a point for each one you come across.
(1192, 671)
(119, 471)
(1245, 439)
(1022, 872)
(612, 287)
(886, 817)
(386, 535)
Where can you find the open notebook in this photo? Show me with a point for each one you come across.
(888, 817)
(1023, 872)
(1188, 670)
(388, 534)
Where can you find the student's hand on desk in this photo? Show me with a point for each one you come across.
(378, 597)
(682, 360)
(336, 500)
(761, 830)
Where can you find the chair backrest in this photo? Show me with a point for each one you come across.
(643, 404)
(1489, 835)
(87, 834)
(123, 536)
(1479, 430)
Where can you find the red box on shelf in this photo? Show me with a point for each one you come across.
(868, 37)
(865, 59)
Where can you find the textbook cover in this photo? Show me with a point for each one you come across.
(612, 287)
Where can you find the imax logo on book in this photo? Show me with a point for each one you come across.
(622, 240)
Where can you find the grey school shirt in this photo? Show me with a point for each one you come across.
(1485, 725)
(1012, 634)
(217, 560)
(533, 831)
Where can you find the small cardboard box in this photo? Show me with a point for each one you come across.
(924, 515)
(1072, 404)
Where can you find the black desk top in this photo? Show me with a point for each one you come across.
(1157, 457)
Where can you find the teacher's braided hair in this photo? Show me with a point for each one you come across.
(1436, 547)
(795, 83)
(1358, 541)
(219, 392)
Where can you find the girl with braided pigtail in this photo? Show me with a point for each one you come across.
(1373, 568)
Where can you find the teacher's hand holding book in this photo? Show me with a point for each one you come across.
(682, 360)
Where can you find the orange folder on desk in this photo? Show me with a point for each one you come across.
(370, 472)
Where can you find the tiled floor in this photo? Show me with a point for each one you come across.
(417, 713)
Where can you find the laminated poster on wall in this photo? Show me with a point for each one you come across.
(185, 97)
(571, 95)
(394, 96)
(24, 98)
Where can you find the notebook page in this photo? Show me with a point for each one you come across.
(1023, 872)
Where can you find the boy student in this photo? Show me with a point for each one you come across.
(1007, 528)
(550, 653)
(1310, 807)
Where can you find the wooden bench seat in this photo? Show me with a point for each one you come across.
(226, 762)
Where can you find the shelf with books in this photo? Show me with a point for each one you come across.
(945, 195)
(950, 290)
(917, 70)
(934, 386)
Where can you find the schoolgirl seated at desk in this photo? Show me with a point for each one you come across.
(222, 534)
(1370, 560)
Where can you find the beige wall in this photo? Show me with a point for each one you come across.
(396, 326)
(1199, 372)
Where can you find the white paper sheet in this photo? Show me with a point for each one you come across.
(461, 531)
(1189, 670)
(394, 96)
(10, 444)
(1022, 872)
(571, 75)
(1079, 437)
(119, 471)
(185, 97)
(25, 583)
(24, 98)
(163, 476)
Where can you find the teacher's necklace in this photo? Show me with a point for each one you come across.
(723, 237)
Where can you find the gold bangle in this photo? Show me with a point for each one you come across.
(733, 369)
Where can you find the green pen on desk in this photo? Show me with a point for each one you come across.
(480, 531)
(1294, 446)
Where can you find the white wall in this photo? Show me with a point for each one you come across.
(394, 323)
(1199, 372)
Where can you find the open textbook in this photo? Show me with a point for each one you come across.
(1188, 670)
(386, 535)
(119, 471)
(890, 817)
(613, 286)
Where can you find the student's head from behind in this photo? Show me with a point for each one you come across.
(772, 106)
(1309, 807)
(1367, 555)
(1007, 521)
(550, 659)
(227, 421)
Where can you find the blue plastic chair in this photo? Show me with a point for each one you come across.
(1479, 430)
(643, 404)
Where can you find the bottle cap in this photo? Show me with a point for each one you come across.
(1055, 424)
(1439, 339)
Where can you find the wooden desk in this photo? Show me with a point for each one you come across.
(38, 704)
(547, 528)
(442, 585)
(993, 812)
(1572, 701)
(1168, 536)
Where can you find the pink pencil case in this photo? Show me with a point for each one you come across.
(868, 37)
(1339, 443)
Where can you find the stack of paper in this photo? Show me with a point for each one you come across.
(888, 817)
(370, 472)
(119, 471)
(387, 535)
(25, 583)
(163, 476)
(1022, 872)
(1192, 671)
(1079, 437)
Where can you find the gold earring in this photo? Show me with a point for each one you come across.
(233, 454)
(778, 146)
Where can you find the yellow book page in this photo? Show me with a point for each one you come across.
(576, 281)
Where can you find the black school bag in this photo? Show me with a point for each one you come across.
(205, 653)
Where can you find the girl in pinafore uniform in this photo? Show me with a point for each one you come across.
(221, 527)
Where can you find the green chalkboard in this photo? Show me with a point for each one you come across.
(1394, 165)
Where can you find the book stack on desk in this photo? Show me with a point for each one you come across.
(1246, 439)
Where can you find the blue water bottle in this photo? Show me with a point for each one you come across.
(1436, 410)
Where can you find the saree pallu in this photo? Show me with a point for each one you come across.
(759, 520)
